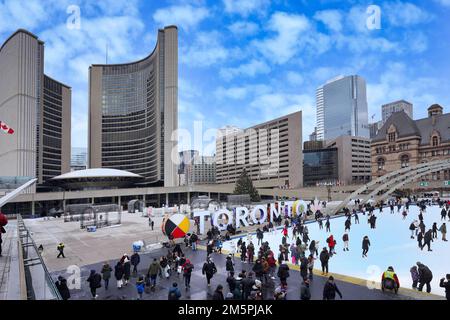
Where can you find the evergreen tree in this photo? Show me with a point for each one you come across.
(244, 185)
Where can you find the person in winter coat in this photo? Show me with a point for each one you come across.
(425, 276)
(63, 290)
(106, 274)
(118, 274)
(193, 241)
(348, 223)
(328, 226)
(209, 269)
(135, 259)
(153, 271)
(258, 270)
(365, 246)
(305, 292)
(419, 240)
(259, 236)
(330, 289)
(412, 228)
(174, 292)
(218, 293)
(250, 252)
(443, 230)
(324, 257)
(446, 285)
(140, 287)
(247, 284)
(187, 268)
(389, 280)
(229, 265)
(443, 214)
(243, 252)
(60, 249)
(331, 244)
(231, 280)
(283, 273)
(126, 268)
(345, 240)
(414, 276)
(304, 268)
(95, 282)
(427, 239)
(305, 237)
(312, 248)
(311, 266)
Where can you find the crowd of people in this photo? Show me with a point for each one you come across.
(263, 266)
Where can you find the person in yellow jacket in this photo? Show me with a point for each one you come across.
(389, 280)
(60, 249)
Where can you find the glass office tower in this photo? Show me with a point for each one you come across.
(342, 108)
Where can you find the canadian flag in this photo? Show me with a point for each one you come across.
(5, 128)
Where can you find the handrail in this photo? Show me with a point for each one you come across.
(48, 278)
(22, 280)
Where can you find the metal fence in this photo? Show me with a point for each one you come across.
(36, 278)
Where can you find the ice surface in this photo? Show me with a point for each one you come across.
(390, 246)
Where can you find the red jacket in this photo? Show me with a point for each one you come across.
(331, 242)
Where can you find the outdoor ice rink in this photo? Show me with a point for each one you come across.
(390, 246)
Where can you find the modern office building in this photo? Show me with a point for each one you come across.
(342, 108)
(37, 107)
(78, 161)
(270, 152)
(403, 142)
(133, 113)
(320, 166)
(201, 170)
(353, 158)
(388, 109)
(341, 161)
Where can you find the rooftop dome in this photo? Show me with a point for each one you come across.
(98, 178)
(97, 173)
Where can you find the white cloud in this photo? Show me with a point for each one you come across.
(242, 92)
(186, 17)
(404, 14)
(294, 78)
(16, 14)
(250, 69)
(235, 93)
(443, 2)
(391, 86)
(291, 33)
(244, 28)
(205, 51)
(246, 7)
(332, 19)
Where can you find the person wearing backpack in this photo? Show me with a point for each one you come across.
(187, 271)
(174, 292)
(209, 269)
(95, 282)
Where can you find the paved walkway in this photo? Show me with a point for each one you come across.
(200, 291)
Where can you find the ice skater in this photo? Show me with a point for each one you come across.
(365, 246)
(345, 240)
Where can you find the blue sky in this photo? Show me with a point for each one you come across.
(244, 62)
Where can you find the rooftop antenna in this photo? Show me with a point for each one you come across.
(106, 58)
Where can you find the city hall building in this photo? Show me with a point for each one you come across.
(133, 111)
(37, 107)
(403, 142)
